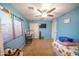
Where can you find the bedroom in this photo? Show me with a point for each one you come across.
(48, 24)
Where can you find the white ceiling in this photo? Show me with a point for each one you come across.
(61, 8)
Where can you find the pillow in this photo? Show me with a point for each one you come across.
(70, 40)
(65, 39)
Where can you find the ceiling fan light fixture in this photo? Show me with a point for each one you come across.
(44, 15)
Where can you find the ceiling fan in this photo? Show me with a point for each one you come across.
(43, 13)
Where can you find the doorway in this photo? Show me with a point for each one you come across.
(34, 29)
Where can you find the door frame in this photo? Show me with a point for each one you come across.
(54, 29)
(35, 27)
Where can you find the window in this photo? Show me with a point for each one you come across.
(17, 27)
(6, 26)
(11, 27)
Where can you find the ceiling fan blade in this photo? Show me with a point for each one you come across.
(39, 10)
(37, 15)
(51, 10)
(31, 8)
(51, 15)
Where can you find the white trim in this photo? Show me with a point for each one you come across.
(54, 29)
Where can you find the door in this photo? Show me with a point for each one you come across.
(34, 29)
(54, 29)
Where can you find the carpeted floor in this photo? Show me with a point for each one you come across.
(39, 48)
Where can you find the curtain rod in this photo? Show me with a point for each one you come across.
(7, 11)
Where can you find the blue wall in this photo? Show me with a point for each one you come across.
(72, 29)
(45, 32)
(20, 41)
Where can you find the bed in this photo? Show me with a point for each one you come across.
(66, 48)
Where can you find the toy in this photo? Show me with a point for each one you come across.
(69, 53)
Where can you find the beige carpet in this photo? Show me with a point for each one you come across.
(39, 48)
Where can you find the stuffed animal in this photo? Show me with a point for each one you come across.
(69, 53)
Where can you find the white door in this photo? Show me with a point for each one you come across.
(54, 29)
(34, 28)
